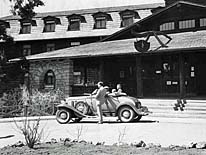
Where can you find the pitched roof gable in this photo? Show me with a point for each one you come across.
(129, 28)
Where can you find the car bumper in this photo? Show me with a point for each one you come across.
(144, 111)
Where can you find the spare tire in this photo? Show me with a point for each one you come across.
(82, 107)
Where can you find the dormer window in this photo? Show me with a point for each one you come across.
(25, 28)
(50, 23)
(101, 19)
(26, 25)
(4, 24)
(74, 22)
(127, 17)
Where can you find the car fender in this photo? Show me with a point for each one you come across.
(75, 111)
(137, 111)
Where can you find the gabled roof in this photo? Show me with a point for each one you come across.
(121, 32)
(179, 42)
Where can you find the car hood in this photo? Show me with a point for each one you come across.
(77, 98)
(133, 98)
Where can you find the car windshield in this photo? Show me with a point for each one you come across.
(117, 94)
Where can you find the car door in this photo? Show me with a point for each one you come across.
(110, 104)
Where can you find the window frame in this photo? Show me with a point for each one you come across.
(75, 43)
(100, 20)
(72, 22)
(100, 23)
(50, 47)
(186, 24)
(128, 14)
(26, 49)
(167, 26)
(49, 80)
(125, 18)
(25, 28)
(202, 22)
(49, 26)
(50, 23)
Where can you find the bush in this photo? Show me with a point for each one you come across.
(45, 102)
(31, 131)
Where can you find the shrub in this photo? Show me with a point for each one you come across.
(31, 131)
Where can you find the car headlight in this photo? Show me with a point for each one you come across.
(63, 102)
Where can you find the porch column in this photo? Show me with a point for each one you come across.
(139, 76)
(182, 76)
(101, 70)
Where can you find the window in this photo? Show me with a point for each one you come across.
(50, 47)
(25, 28)
(26, 50)
(50, 23)
(202, 22)
(75, 43)
(26, 25)
(167, 26)
(127, 17)
(84, 74)
(79, 75)
(100, 23)
(185, 24)
(101, 19)
(74, 22)
(49, 80)
(49, 26)
(74, 25)
(127, 20)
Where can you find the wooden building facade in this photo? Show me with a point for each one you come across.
(174, 69)
(51, 31)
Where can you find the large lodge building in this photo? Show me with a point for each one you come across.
(173, 65)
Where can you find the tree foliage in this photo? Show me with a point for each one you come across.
(25, 8)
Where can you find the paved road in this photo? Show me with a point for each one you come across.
(164, 131)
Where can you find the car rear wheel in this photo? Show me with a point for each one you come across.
(63, 116)
(126, 114)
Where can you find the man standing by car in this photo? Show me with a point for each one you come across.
(100, 97)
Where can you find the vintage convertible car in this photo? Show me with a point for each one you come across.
(127, 108)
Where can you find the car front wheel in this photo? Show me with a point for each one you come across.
(63, 116)
(137, 119)
(126, 114)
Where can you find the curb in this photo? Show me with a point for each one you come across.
(20, 119)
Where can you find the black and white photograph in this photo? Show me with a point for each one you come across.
(102, 77)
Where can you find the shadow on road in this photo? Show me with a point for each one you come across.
(113, 122)
(9, 136)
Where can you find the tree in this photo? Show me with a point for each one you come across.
(25, 8)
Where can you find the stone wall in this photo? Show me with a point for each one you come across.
(63, 70)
